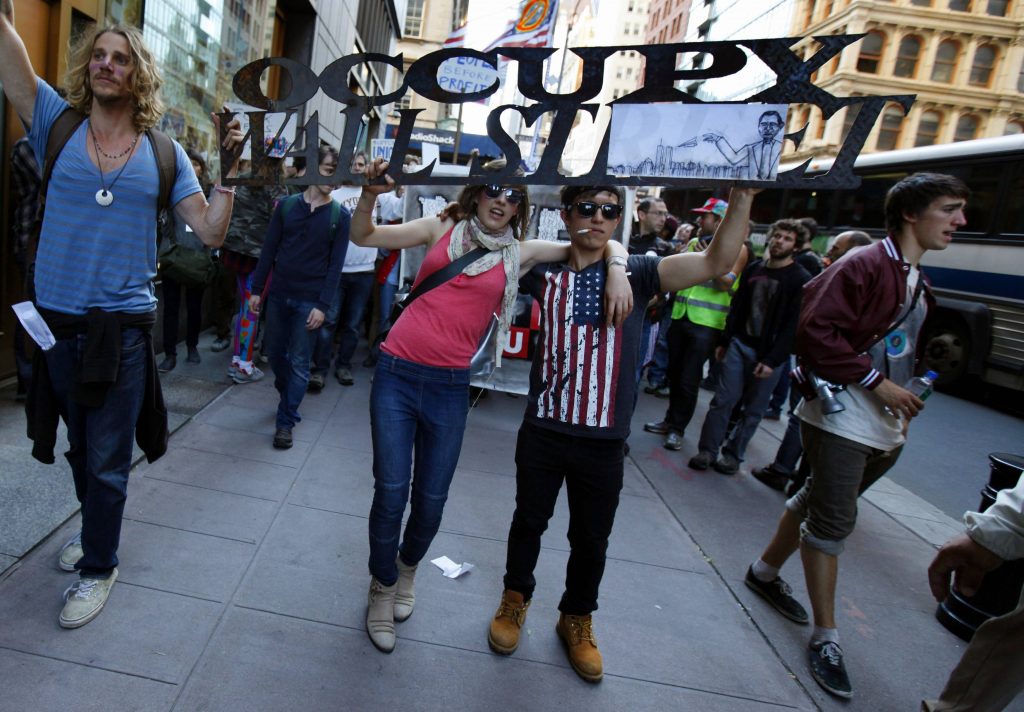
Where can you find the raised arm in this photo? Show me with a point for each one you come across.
(209, 220)
(16, 73)
(682, 271)
(423, 231)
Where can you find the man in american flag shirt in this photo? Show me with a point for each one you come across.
(582, 389)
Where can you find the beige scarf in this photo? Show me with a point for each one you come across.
(469, 234)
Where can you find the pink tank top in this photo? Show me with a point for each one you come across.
(444, 326)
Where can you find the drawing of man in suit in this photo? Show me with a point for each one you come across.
(760, 157)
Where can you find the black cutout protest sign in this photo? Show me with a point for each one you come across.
(792, 86)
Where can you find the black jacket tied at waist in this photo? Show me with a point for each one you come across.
(101, 359)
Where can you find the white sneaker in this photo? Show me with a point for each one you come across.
(84, 599)
(240, 375)
(71, 552)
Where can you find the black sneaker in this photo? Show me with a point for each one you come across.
(779, 594)
(771, 477)
(282, 438)
(727, 464)
(658, 427)
(826, 661)
(673, 441)
(168, 364)
(701, 461)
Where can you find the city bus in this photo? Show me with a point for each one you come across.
(978, 328)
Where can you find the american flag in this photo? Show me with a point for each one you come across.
(579, 365)
(533, 28)
(457, 38)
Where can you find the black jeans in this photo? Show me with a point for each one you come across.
(689, 346)
(172, 307)
(592, 470)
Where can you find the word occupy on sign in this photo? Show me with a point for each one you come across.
(793, 85)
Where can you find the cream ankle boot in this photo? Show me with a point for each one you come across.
(405, 596)
(380, 615)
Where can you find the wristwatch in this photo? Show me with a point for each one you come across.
(616, 260)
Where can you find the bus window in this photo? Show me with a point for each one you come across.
(808, 203)
(865, 207)
(1012, 222)
(984, 181)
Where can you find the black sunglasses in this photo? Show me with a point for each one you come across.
(511, 194)
(587, 209)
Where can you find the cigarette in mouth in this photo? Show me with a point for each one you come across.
(583, 231)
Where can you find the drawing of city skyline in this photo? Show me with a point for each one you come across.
(706, 141)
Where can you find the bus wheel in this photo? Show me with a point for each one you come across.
(947, 351)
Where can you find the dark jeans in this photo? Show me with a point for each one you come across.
(736, 383)
(592, 470)
(22, 355)
(783, 390)
(421, 408)
(657, 372)
(222, 304)
(100, 443)
(289, 346)
(689, 346)
(171, 293)
(387, 301)
(790, 449)
(346, 312)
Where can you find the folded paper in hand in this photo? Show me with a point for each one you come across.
(34, 325)
(450, 569)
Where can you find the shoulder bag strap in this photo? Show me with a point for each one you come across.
(438, 278)
(60, 132)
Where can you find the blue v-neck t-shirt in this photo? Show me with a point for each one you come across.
(90, 255)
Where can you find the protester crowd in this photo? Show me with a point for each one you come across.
(296, 281)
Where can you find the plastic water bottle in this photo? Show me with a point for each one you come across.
(921, 386)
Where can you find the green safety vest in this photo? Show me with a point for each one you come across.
(703, 304)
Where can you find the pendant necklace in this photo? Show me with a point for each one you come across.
(105, 196)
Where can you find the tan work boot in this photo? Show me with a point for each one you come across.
(577, 632)
(503, 636)
(380, 615)
(405, 596)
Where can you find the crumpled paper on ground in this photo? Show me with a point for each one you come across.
(450, 569)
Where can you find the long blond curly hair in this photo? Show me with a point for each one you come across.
(145, 77)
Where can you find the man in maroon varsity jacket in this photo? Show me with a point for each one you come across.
(858, 331)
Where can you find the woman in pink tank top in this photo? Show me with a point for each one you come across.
(420, 394)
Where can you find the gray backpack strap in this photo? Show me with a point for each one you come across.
(166, 164)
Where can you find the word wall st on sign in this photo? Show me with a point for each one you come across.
(660, 75)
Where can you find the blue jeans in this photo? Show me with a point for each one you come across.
(289, 346)
(100, 443)
(387, 298)
(421, 407)
(347, 309)
(657, 372)
(356, 289)
(736, 382)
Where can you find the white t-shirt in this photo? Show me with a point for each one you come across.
(357, 259)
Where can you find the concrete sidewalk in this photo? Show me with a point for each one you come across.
(243, 585)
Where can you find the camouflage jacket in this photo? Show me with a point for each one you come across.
(250, 217)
